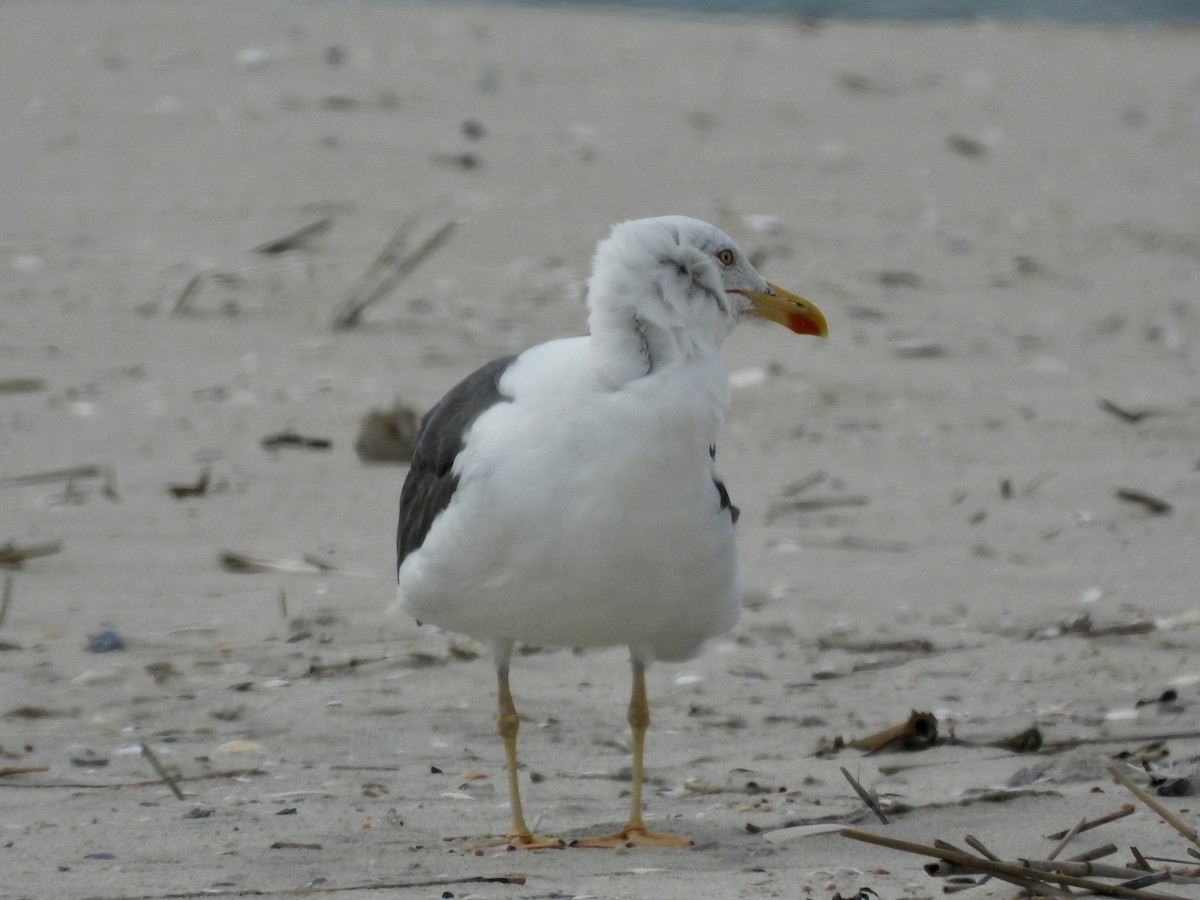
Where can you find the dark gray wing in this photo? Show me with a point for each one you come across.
(722, 492)
(430, 483)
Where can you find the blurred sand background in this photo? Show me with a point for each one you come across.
(1001, 224)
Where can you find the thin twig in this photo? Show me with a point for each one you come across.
(78, 786)
(1067, 838)
(867, 797)
(1095, 853)
(6, 598)
(1127, 809)
(85, 471)
(22, 770)
(1167, 816)
(162, 773)
(294, 239)
(189, 292)
(329, 888)
(1125, 415)
(388, 269)
(978, 845)
(13, 556)
(1014, 873)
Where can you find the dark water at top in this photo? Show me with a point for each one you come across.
(1103, 12)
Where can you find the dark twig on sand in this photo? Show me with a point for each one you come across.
(1125, 415)
(1156, 505)
(391, 266)
(330, 888)
(13, 556)
(868, 797)
(188, 294)
(6, 598)
(295, 239)
(21, 385)
(167, 778)
(291, 439)
(86, 471)
(1031, 875)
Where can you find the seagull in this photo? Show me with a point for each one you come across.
(568, 495)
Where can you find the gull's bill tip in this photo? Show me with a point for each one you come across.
(790, 310)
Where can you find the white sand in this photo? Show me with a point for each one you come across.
(982, 297)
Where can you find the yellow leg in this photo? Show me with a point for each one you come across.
(507, 724)
(634, 832)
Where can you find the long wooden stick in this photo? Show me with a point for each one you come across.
(1013, 873)
(1167, 816)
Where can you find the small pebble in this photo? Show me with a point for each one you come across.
(105, 641)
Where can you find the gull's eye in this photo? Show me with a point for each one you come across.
(725, 257)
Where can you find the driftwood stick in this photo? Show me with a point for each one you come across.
(85, 471)
(1014, 873)
(977, 844)
(293, 240)
(6, 598)
(1167, 816)
(1067, 838)
(188, 294)
(916, 732)
(1095, 853)
(388, 269)
(1125, 810)
(305, 890)
(162, 773)
(22, 770)
(14, 556)
(121, 785)
(867, 797)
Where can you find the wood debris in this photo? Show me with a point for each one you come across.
(168, 779)
(6, 598)
(917, 732)
(1156, 505)
(21, 385)
(296, 239)
(198, 489)
(1125, 415)
(1051, 877)
(189, 293)
(243, 563)
(14, 556)
(292, 439)
(390, 267)
(90, 470)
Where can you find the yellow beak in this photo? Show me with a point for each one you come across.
(788, 309)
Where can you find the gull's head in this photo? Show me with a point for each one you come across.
(689, 278)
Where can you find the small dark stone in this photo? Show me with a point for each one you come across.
(899, 278)
(105, 641)
(473, 129)
(197, 812)
(966, 146)
(87, 761)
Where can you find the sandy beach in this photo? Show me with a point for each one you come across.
(980, 497)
